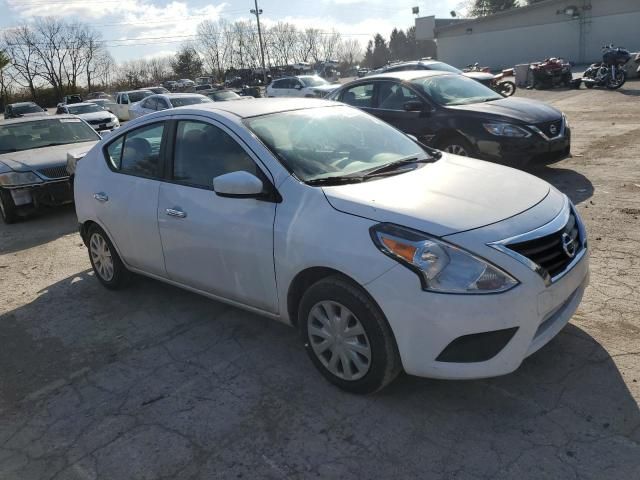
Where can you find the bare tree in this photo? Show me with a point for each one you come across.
(52, 53)
(350, 52)
(210, 41)
(329, 45)
(307, 45)
(20, 46)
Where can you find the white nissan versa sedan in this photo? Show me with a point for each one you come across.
(386, 255)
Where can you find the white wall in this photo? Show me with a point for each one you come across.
(506, 48)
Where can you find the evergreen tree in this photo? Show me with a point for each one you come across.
(187, 63)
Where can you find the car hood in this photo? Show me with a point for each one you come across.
(479, 76)
(41, 157)
(521, 109)
(95, 115)
(449, 196)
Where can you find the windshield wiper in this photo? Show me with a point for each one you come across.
(335, 180)
(393, 166)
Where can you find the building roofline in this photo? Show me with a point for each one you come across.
(506, 13)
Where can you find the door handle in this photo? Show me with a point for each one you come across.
(101, 197)
(175, 212)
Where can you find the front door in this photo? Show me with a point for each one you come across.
(127, 198)
(220, 245)
(390, 107)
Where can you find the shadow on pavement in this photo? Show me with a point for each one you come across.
(577, 187)
(179, 382)
(38, 229)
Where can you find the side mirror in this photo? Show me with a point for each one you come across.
(414, 106)
(238, 184)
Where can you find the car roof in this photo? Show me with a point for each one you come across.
(134, 91)
(407, 75)
(175, 95)
(261, 106)
(13, 121)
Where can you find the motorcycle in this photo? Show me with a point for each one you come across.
(551, 73)
(497, 83)
(609, 73)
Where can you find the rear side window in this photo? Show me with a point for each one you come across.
(151, 103)
(137, 152)
(359, 96)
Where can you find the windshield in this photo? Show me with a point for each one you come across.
(331, 141)
(455, 90)
(443, 67)
(313, 81)
(80, 109)
(27, 108)
(183, 101)
(137, 96)
(220, 96)
(25, 136)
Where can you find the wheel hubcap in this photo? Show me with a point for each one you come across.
(338, 340)
(456, 150)
(101, 257)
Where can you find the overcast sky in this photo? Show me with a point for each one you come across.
(146, 28)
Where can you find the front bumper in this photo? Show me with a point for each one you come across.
(534, 150)
(426, 325)
(31, 197)
(106, 126)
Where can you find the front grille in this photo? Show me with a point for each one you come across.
(100, 121)
(549, 251)
(550, 129)
(54, 172)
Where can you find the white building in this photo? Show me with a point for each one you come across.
(572, 29)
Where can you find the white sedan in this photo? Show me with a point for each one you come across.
(166, 101)
(95, 115)
(311, 86)
(385, 254)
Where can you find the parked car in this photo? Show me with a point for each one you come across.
(485, 78)
(105, 103)
(225, 96)
(97, 95)
(166, 101)
(458, 115)
(95, 115)
(124, 100)
(300, 86)
(170, 84)
(362, 72)
(33, 162)
(156, 89)
(203, 86)
(23, 109)
(385, 254)
(185, 83)
(74, 98)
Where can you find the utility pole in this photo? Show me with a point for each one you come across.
(257, 12)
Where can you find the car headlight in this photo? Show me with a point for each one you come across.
(506, 130)
(441, 266)
(12, 179)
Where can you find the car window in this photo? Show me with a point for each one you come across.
(162, 104)
(184, 101)
(204, 151)
(138, 151)
(151, 103)
(455, 90)
(80, 109)
(360, 96)
(393, 96)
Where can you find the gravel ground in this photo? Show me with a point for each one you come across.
(155, 382)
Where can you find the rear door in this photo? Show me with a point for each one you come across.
(219, 245)
(127, 197)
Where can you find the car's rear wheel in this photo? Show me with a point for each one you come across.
(347, 337)
(456, 145)
(105, 261)
(7, 207)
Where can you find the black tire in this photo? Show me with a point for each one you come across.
(385, 364)
(451, 142)
(7, 207)
(620, 82)
(589, 85)
(507, 88)
(121, 275)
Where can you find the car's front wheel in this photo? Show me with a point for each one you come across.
(105, 260)
(7, 207)
(347, 337)
(456, 145)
